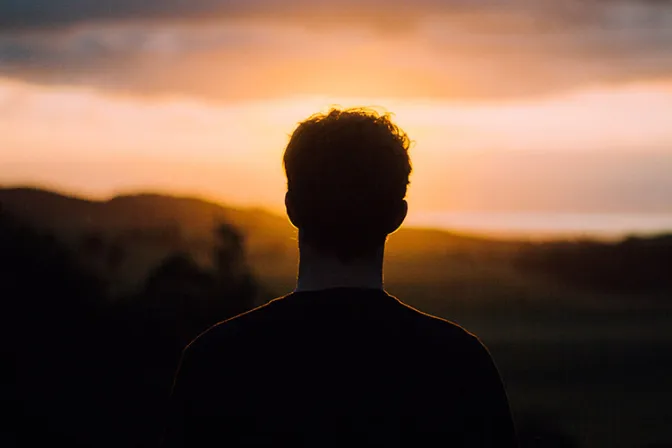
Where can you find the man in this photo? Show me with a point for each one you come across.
(339, 362)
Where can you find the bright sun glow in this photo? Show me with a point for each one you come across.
(465, 155)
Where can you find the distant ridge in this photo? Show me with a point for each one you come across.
(423, 264)
(57, 211)
(60, 211)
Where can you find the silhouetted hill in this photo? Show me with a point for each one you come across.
(57, 211)
(137, 232)
(150, 225)
(169, 223)
(194, 216)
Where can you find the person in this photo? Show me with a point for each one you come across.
(338, 361)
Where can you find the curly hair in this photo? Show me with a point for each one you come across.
(347, 176)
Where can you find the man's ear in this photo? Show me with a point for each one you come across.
(399, 216)
(291, 211)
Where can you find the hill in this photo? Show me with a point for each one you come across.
(62, 212)
(194, 216)
(183, 223)
(441, 270)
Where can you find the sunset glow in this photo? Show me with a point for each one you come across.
(506, 116)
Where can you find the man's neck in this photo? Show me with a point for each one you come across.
(318, 271)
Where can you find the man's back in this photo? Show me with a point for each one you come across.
(338, 366)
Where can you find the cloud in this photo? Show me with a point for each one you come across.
(229, 50)
(55, 13)
(37, 13)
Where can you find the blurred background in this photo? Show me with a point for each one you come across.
(141, 194)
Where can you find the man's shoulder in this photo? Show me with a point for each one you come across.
(438, 328)
(232, 328)
(452, 341)
(255, 323)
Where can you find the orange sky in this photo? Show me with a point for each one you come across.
(573, 152)
(533, 108)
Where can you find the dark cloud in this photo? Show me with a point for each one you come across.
(43, 13)
(225, 49)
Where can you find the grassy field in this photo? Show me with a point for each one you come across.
(581, 330)
(604, 380)
(581, 369)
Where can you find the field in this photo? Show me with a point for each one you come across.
(580, 330)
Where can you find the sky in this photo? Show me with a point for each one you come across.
(520, 106)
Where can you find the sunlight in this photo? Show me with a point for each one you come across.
(99, 143)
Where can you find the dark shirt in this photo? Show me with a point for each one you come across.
(339, 367)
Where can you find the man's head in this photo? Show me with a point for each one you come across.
(347, 175)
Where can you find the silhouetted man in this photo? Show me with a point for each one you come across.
(339, 362)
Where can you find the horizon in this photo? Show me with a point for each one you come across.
(519, 226)
(536, 109)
